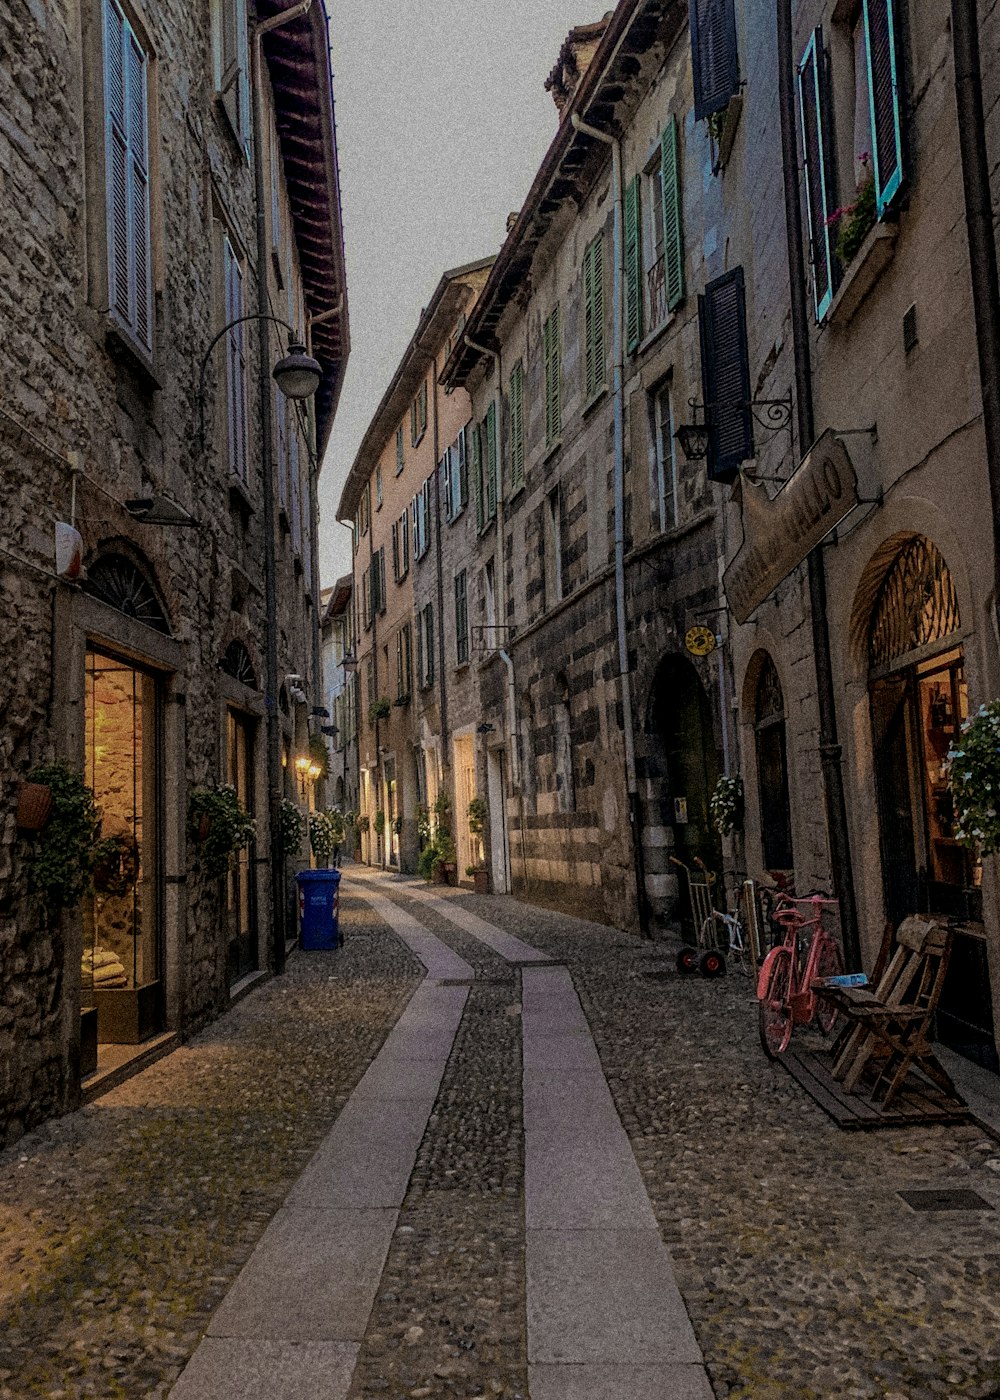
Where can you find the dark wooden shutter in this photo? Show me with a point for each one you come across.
(517, 427)
(673, 241)
(812, 84)
(395, 551)
(593, 316)
(713, 51)
(882, 47)
(477, 474)
(725, 369)
(633, 266)
(491, 460)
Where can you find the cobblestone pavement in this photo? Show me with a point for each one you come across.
(123, 1226)
(806, 1276)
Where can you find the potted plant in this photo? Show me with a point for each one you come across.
(325, 834)
(726, 805)
(480, 878)
(425, 863)
(974, 780)
(62, 859)
(444, 867)
(855, 221)
(292, 828)
(220, 822)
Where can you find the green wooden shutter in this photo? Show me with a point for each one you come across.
(673, 240)
(882, 49)
(491, 461)
(517, 426)
(815, 159)
(553, 375)
(593, 315)
(633, 266)
(477, 474)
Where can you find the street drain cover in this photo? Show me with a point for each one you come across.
(945, 1200)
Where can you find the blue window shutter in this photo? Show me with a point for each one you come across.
(882, 49)
(713, 52)
(673, 235)
(130, 289)
(633, 266)
(815, 158)
(725, 368)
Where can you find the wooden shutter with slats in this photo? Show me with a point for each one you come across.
(713, 52)
(477, 474)
(812, 79)
(673, 240)
(236, 388)
(552, 349)
(517, 426)
(593, 315)
(491, 461)
(882, 48)
(633, 266)
(126, 100)
(725, 371)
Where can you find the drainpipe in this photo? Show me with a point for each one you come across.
(830, 749)
(618, 401)
(272, 722)
(982, 248)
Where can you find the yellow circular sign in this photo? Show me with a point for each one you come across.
(699, 641)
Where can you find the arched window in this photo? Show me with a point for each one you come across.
(236, 663)
(772, 769)
(915, 606)
(116, 580)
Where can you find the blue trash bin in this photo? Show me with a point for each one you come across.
(319, 909)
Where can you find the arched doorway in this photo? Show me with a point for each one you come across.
(772, 768)
(680, 725)
(919, 698)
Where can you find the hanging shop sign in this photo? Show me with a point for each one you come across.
(699, 641)
(779, 533)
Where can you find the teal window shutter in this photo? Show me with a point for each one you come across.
(517, 426)
(673, 242)
(593, 314)
(491, 461)
(882, 49)
(477, 474)
(814, 153)
(633, 266)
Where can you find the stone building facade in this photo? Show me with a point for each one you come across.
(138, 144)
(340, 693)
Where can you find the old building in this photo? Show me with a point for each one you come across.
(340, 692)
(144, 306)
(396, 500)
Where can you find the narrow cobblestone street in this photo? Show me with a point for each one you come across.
(124, 1227)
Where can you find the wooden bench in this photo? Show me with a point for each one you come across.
(889, 1022)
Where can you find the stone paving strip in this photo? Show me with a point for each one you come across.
(606, 1320)
(292, 1324)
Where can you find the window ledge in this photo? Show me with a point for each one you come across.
(654, 335)
(867, 266)
(416, 441)
(225, 121)
(553, 448)
(596, 397)
(239, 496)
(124, 351)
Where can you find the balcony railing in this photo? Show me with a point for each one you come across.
(656, 286)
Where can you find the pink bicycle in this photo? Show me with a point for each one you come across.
(785, 986)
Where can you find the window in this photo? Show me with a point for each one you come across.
(461, 619)
(378, 487)
(725, 371)
(404, 663)
(400, 459)
(477, 474)
(552, 549)
(232, 65)
(364, 510)
(772, 769)
(126, 101)
(713, 52)
(420, 511)
(665, 456)
(813, 108)
(552, 350)
(882, 52)
(658, 237)
(455, 478)
(236, 362)
(517, 427)
(400, 548)
(593, 316)
(425, 645)
(418, 415)
(633, 266)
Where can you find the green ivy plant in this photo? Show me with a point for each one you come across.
(292, 828)
(62, 858)
(477, 816)
(974, 779)
(116, 865)
(426, 859)
(379, 709)
(379, 822)
(227, 826)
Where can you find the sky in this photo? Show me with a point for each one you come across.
(442, 122)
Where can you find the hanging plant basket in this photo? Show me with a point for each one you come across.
(34, 806)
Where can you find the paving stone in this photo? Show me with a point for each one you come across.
(234, 1369)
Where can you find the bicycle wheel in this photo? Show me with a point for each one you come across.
(774, 1014)
(828, 964)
